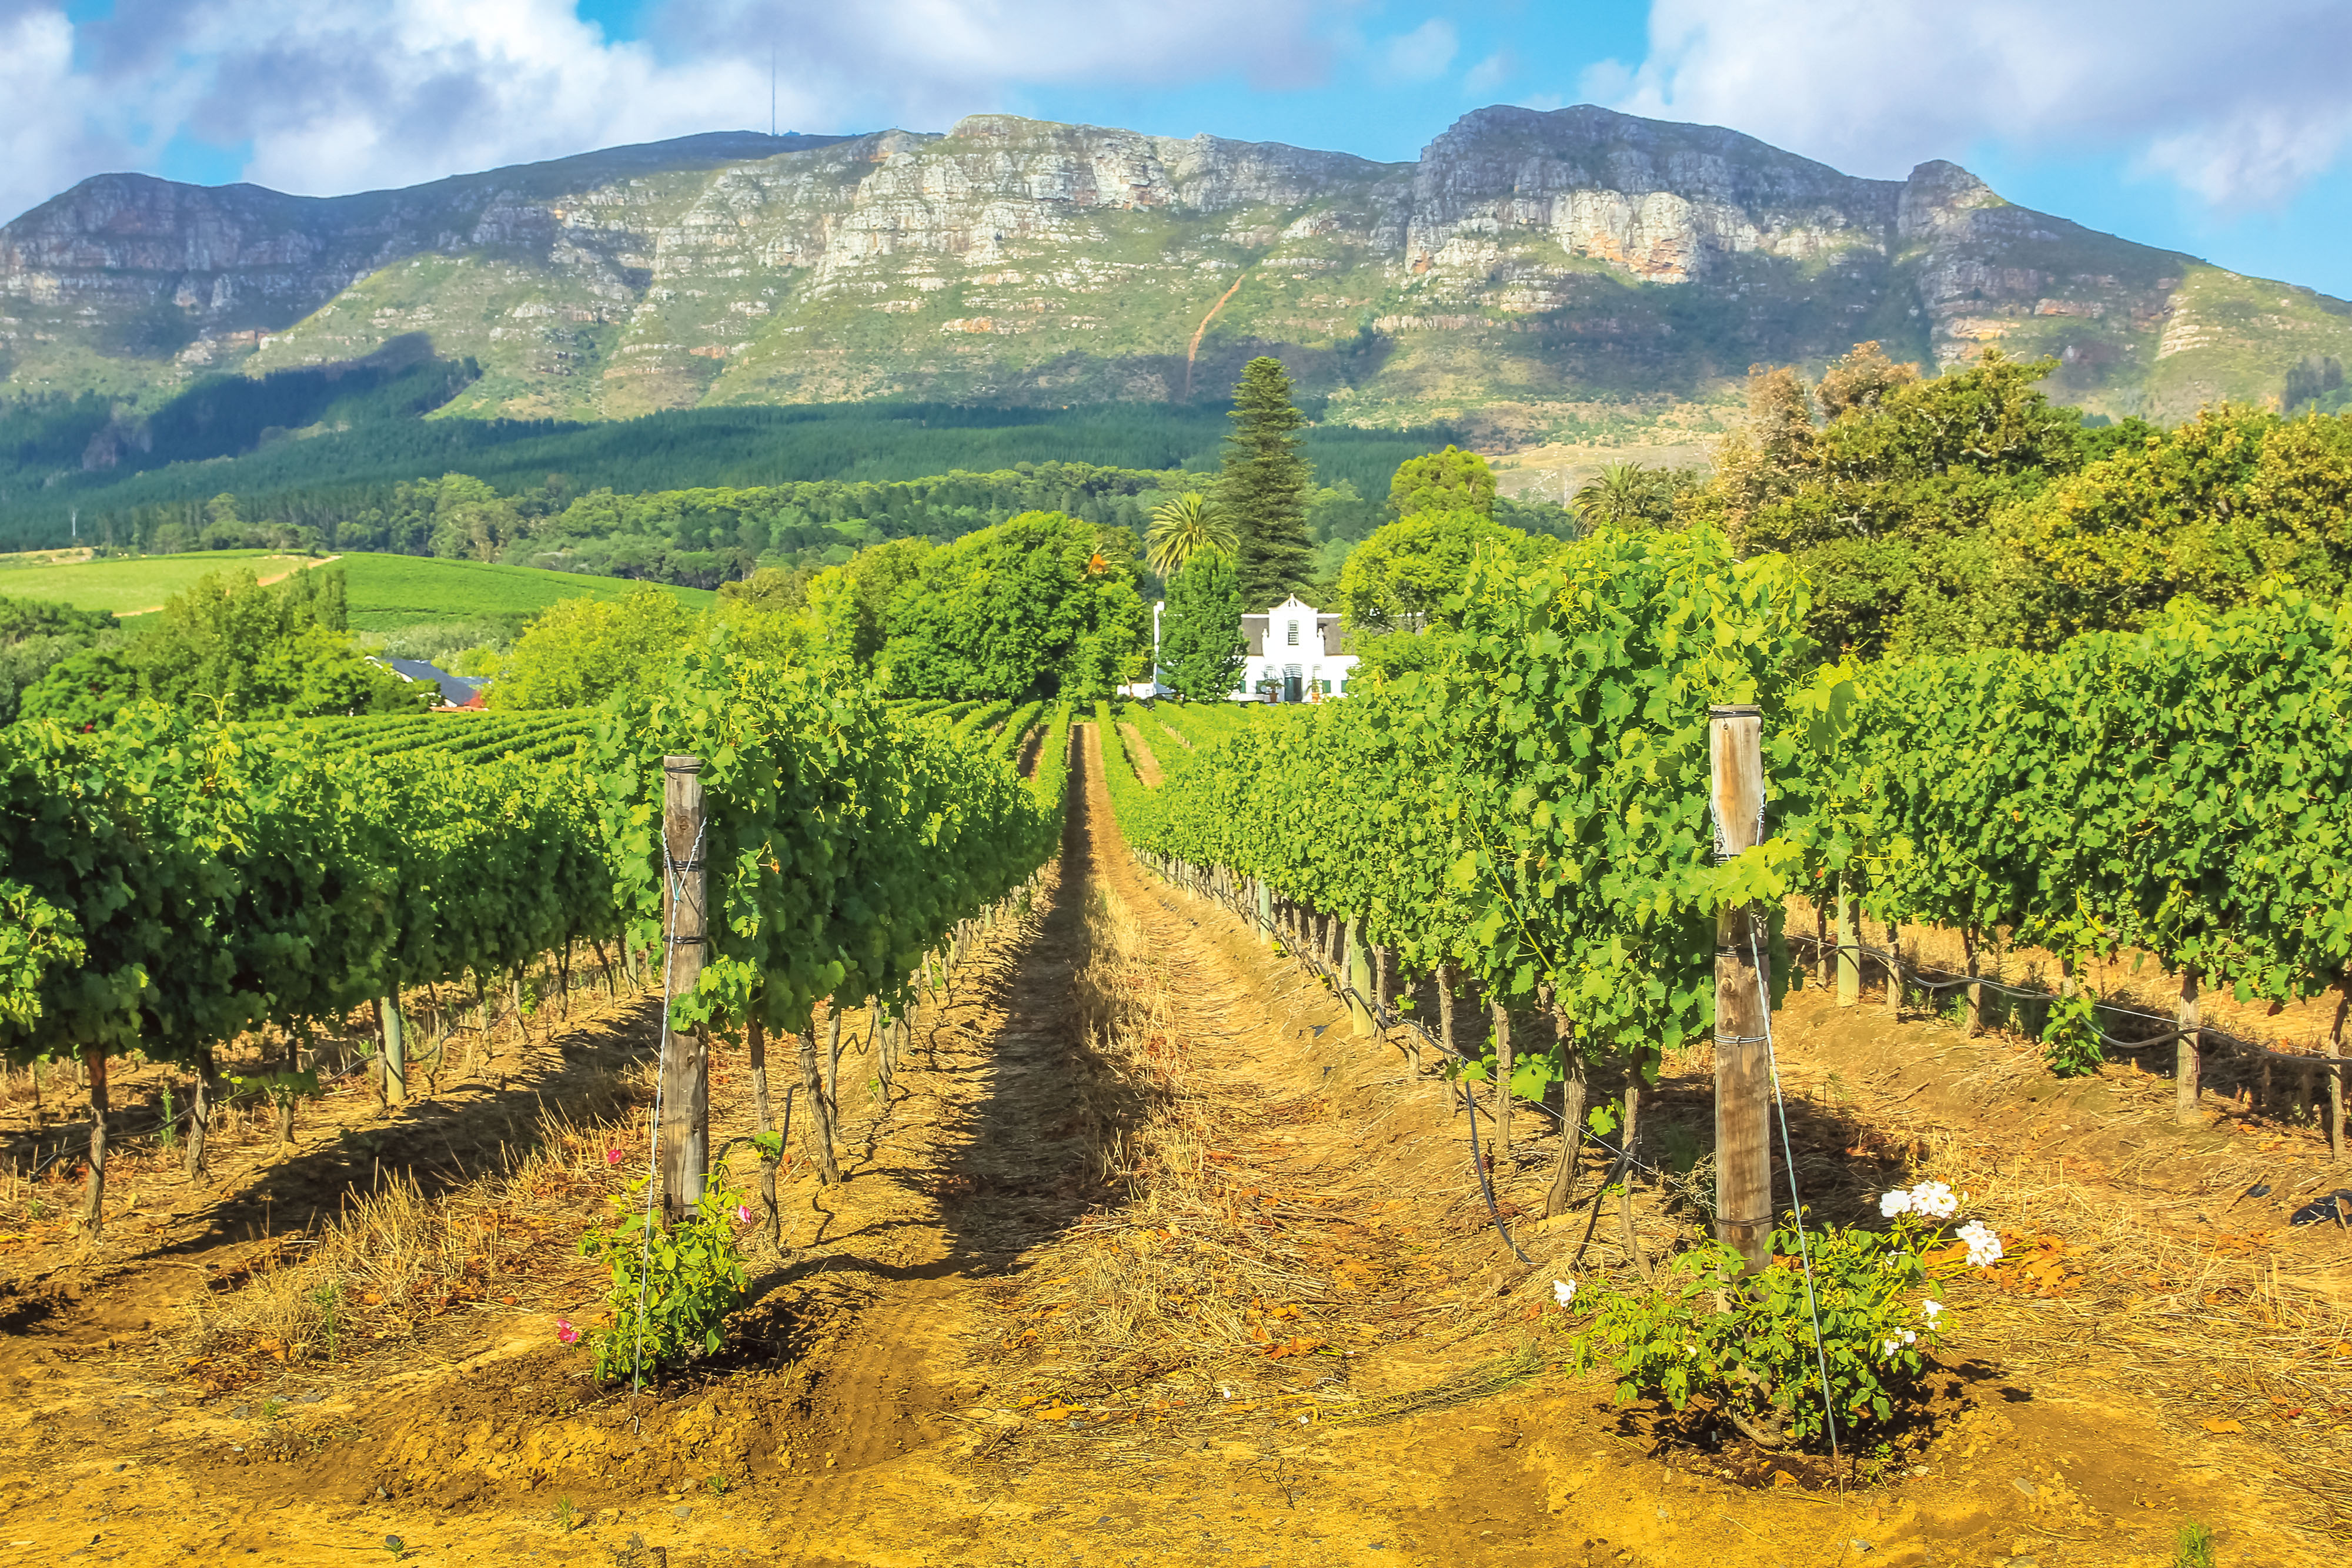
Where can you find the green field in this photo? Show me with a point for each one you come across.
(387, 591)
(390, 591)
(139, 583)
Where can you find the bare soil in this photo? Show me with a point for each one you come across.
(1147, 1259)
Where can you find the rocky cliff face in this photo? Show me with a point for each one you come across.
(1527, 261)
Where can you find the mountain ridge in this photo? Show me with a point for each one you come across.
(1530, 267)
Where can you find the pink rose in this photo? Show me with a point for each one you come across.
(743, 1214)
(565, 1332)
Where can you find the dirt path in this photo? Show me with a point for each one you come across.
(1144, 1259)
(1139, 753)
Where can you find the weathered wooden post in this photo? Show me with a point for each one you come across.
(1360, 980)
(1976, 991)
(684, 1136)
(1743, 1073)
(1502, 1021)
(2187, 1060)
(93, 1204)
(395, 1050)
(1849, 951)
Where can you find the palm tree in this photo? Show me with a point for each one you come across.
(1620, 493)
(1183, 527)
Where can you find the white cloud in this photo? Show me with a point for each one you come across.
(1489, 73)
(339, 96)
(2240, 104)
(1423, 54)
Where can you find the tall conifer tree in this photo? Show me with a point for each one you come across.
(1263, 488)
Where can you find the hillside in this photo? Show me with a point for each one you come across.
(1536, 272)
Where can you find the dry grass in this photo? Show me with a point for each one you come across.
(2232, 1333)
(397, 1258)
(1200, 1287)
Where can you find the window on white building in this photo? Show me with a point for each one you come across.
(1293, 638)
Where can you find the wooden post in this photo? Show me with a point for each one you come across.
(2186, 1059)
(1849, 951)
(1265, 912)
(1743, 1081)
(1359, 981)
(93, 1203)
(1976, 992)
(395, 1050)
(1502, 1017)
(2336, 1076)
(1445, 1009)
(685, 1140)
(200, 1111)
(1894, 969)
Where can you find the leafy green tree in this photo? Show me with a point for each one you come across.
(2215, 510)
(36, 636)
(1184, 526)
(231, 647)
(1874, 500)
(581, 651)
(1201, 654)
(850, 603)
(472, 521)
(1265, 483)
(1042, 603)
(1398, 579)
(1448, 481)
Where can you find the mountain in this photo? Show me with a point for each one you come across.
(1530, 269)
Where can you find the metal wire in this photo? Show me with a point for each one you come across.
(1796, 1204)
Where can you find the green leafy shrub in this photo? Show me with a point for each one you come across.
(688, 1276)
(1747, 1347)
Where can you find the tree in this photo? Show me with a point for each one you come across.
(850, 605)
(1200, 653)
(1265, 483)
(1042, 603)
(581, 651)
(1183, 527)
(36, 636)
(1620, 496)
(1448, 481)
(2213, 510)
(229, 646)
(1398, 579)
(1876, 502)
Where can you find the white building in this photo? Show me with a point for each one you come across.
(1294, 654)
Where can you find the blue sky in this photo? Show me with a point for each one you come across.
(2223, 132)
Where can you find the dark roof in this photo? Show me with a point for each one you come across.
(453, 688)
(1253, 629)
(1335, 641)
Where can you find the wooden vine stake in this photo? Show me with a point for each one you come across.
(1743, 1079)
(2187, 1061)
(1359, 975)
(685, 1137)
(1849, 950)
